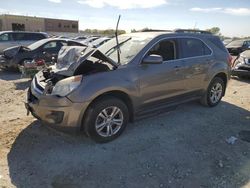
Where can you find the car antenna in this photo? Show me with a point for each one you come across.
(117, 42)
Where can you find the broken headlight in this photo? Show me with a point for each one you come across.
(66, 86)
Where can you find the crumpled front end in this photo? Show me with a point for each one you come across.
(241, 66)
(60, 112)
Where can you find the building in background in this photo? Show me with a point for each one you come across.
(27, 23)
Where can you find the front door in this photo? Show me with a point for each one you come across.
(159, 82)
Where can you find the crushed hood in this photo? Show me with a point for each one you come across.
(13, 51)
(70, 57)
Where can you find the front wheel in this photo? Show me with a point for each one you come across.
(214, 93)
(106, 119)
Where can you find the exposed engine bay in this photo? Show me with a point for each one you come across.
(73, 61)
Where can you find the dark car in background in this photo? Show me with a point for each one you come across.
(241, 65)
(237, 46)
(46, 49)
(99, 90)
(19, 38)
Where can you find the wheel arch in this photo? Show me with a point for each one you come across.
(223, 76)
(117, 94)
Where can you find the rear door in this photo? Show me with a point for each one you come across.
(196, 58)
(160, 82)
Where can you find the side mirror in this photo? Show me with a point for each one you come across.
(152, 59)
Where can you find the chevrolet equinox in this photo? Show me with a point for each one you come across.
(100, 90)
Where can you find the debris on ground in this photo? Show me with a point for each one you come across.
(231, 140)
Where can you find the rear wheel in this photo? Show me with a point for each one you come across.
(106, 119)
(214, 93)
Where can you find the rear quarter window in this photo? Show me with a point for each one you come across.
(217, 42)
(4, 37)
(191, 47)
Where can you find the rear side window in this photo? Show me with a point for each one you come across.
(71, 43)
(4, 37)
(193, 48)
(34, 36)
(18, 36)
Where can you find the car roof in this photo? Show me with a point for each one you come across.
(1, 32)
(154, 34)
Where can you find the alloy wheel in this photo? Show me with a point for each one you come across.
(216, 93)
(109, 121)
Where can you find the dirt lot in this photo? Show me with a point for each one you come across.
(184, 148)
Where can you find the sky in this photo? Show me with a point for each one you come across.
(231, 16)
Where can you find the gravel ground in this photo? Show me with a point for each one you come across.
(183, 148)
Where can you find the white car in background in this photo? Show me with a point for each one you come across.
(19, 38)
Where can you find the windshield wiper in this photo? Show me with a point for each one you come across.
(117, 46)
(117, 42)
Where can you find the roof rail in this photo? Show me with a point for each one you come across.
(191, 31)
(155, 30)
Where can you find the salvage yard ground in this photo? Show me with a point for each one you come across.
(183, 148)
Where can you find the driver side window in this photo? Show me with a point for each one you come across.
(165, 48)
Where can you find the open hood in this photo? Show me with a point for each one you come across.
(71, 57)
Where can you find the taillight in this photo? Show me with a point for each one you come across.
(40, 62)
(230, 60)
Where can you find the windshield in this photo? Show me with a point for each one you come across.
(129, 47)
(37, 44)
(236, 43)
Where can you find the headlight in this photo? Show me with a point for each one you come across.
(246, 60)
(65, 86)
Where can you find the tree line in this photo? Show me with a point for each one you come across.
(108, 32)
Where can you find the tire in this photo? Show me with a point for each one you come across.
(214, 93)
(108, 128)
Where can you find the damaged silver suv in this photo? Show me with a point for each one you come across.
(100, 90)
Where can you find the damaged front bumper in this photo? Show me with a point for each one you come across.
(58, 112)
(7, 63)
(241, 70)
(2, 61)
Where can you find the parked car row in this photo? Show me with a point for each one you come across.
(18, 47)
(11, 38)
(46, 49)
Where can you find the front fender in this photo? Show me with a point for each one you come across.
(124, 80)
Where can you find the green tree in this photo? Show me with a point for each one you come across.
(214, 30)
